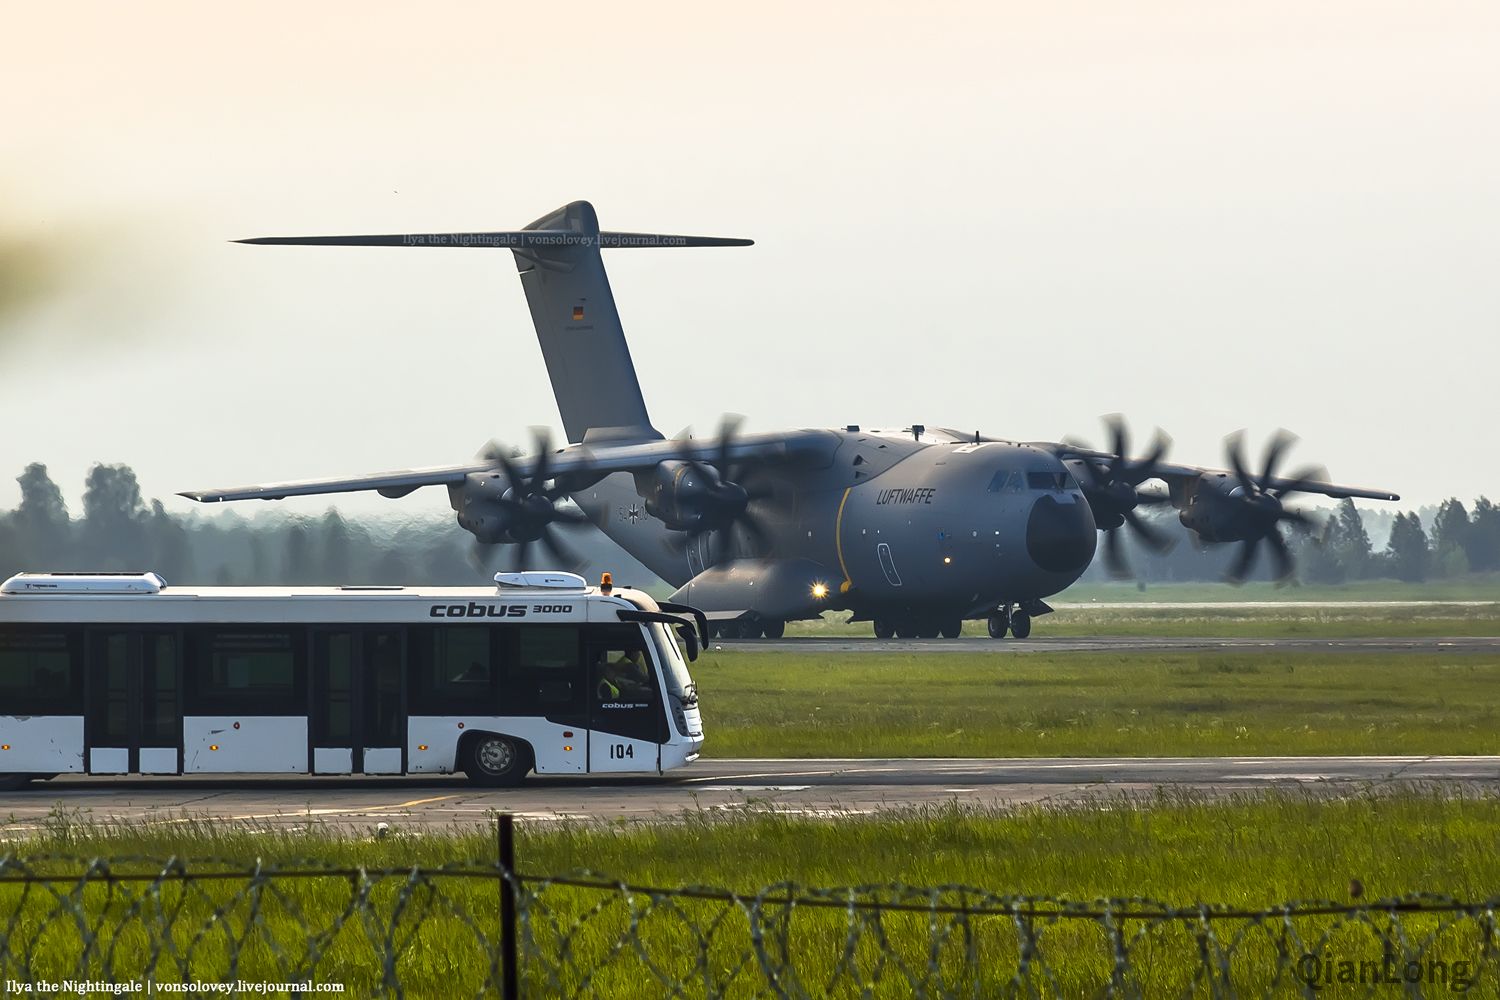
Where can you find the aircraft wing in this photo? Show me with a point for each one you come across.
(582, 461)
(1174, 474)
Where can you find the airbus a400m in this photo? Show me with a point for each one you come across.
(914, 529)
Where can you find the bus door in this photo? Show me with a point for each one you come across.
(626, 719)
(133, 691)
(358, 716)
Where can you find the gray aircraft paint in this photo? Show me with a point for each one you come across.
(917, 525)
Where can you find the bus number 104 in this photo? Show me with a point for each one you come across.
(619, 751)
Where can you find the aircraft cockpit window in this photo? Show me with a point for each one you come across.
(1048, 480)
(1003, 481)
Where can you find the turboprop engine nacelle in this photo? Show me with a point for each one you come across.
(1222, 511)
(691, 496)
(489, 510)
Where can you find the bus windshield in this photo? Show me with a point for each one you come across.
(675, 672)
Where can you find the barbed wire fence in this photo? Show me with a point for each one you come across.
(484, 929)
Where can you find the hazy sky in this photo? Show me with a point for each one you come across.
(1011, 217)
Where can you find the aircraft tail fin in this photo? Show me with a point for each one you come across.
(572, 308)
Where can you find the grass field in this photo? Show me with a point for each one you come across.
(1254, 852)
(1288, 620)
(1472, 587)
(794, 704)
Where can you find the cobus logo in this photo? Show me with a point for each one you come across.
(476, 610)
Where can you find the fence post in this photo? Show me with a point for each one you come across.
(509, 974)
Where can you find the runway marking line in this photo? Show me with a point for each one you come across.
(419, 802)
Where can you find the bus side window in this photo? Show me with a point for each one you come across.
(246, 670)
(39, 671)
(546, 672)
(453, 667)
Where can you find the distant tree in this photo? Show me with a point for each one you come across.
(171, 545)
(1450, 538)
(1320, 555)
(41, 521)
(1353, 542)
(337, 549)
(1408, 552)
(113, 532)
(1484, 537)
(260, 562)
(300, 567)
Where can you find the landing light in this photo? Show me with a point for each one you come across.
(820, 590)
(947, 560)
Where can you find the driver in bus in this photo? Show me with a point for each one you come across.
(624, 676)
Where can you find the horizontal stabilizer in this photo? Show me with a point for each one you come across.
(526, 239)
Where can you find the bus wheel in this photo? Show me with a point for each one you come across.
(999, 625)
(884, 629)
(953, 628)
(1020, 624)
(496, 761)
(775, 628)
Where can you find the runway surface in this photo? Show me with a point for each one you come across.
(1114, 644)
(802, 787)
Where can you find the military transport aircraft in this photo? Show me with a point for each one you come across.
(913, 529)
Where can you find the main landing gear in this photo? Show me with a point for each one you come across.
(1015, 619)
(918, 627)
(748, 627)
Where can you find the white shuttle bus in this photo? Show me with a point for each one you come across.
(105, 673)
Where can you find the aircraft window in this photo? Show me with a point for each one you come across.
(1047, 480)
(1003, 480)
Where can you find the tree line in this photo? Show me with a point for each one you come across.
(119, 530)
(1434, 543)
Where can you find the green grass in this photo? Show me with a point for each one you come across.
(1472, 587)
(1249, 852)
(1285, 621)
(795, 704)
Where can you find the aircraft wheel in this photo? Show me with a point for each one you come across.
(999, 625)
(928, 629)
(775, 628)
(750, 628)
(884, 629)
(1020, 624)
(906, 629)
(953, 628)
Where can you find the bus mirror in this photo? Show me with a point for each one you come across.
(690, 640)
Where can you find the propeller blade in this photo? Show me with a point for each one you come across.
(1234, 450)
(1301, 479)
(1243, 562)
(572, 517)
(1275, 449)
(1114, 559)
(1119, 443)
(729, 429)
(1280, 555)
(1152, 537)
(755, 530)
(565, 556)
(1146, 467)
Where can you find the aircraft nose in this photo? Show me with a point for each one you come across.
(1060, 535)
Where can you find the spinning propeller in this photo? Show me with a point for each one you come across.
(1260, 509)
(528, 508)
(1113, 496)
(723, 501)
